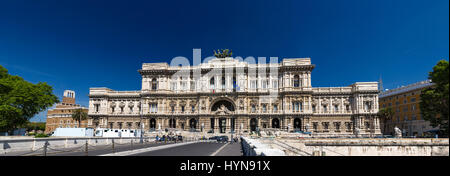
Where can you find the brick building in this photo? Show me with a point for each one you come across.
(61, 115)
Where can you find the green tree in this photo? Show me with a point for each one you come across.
(79, 115)
(20, 100)
(434, 100)
(35, 126)
(385, 114)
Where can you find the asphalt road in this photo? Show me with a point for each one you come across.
(198, 149)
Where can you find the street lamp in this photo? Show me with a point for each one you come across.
(141, 140)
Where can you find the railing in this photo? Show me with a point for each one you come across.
(78, 146)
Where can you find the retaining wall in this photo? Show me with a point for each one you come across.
(372, 147)
(33, 144)
(254, 147)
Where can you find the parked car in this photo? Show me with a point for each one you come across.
(213, 138)
(222, 139)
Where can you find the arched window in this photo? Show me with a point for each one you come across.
(211, 83)
(154, 84)
(296, 81)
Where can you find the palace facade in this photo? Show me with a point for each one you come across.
(228, 95)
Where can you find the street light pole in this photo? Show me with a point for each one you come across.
(140, 124)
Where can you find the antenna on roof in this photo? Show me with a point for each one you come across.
(380, 84)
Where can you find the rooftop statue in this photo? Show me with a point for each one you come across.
(223, 53)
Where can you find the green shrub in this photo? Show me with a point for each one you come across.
(40, 135)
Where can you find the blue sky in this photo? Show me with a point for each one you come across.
(80, 44)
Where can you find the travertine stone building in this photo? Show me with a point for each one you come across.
(226, 94)
(61, 115)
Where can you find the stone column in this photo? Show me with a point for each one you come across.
(228, 124)
(216, 124)
(259, 122)
(248, 124)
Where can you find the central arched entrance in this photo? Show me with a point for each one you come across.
(253, 124)
(224, 108)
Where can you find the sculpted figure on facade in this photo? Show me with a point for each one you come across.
(398, 132)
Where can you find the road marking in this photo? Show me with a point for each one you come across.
(132, 152)
(215, 153)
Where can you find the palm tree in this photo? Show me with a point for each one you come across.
(385, 114)
(79, 115)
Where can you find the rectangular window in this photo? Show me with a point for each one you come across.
(264, 84)
(173, 85)
(325, 125)
(253, 84)
(337, 126)
(183, 85)
(275, 84)
(153, 108)
(192, 85)
(275, 108)
(253, 108)
(96, 107)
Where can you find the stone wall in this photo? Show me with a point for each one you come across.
(362, 147)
